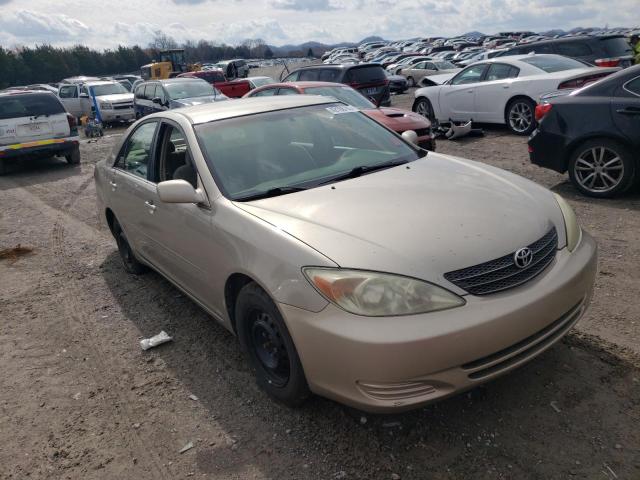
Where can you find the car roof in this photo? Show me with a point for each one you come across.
(304, 84)
(338, 66)
(246, 106)
(100, 82)
(515, 59)
(16, 91)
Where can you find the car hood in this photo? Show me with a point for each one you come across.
(398, 120)
(440, 214)
(116, 97)
(190, 102)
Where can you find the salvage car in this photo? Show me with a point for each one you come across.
(503, 90)
(114, 102)
(34, 124)
(158, 95)
(293, 221)
(415, 73)
(594, 134)
(230, 88)
(394, 119)
(369, 79)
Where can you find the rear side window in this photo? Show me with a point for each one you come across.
(574, 49)
(14, 106)
(501, 71)
(617, 47)
(552, 64)
(366, 75)
(69, 91)
(633, 86)
(140, 91)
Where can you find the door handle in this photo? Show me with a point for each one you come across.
(150, 206)
(114, 185)
(469, 91)
(505, 86)
(629, 111)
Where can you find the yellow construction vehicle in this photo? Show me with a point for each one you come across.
(172, 63)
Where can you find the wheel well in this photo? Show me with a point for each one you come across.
(231, 290)
(110, 218)
(511, 100)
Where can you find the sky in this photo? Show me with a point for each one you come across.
(108, 23)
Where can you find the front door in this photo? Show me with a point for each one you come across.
(457, 99)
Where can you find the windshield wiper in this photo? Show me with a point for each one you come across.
(362, 169)
(272, 192)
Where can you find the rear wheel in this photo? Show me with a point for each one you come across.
(129, 260)
(602, 168)
(520, 116)
(272, 353)
(73, 158)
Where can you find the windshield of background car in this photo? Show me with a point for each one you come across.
(108, 89)
(345, 94)
(258, 82)
(444, 65)
(181, 90)
(553, 64)
(15, 106)
(299, 147)
(617, 47)
(372, 74)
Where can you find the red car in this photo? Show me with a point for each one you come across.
(393, 118)
(231, 88)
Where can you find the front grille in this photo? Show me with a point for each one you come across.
(502, 273)
(510, 356)
(122, 106)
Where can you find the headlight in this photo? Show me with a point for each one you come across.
(375, 294)
(105, 106)
(574, 232)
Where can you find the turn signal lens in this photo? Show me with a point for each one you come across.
(574, 232)
(375, 294)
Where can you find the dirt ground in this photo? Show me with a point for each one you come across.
(80, 400)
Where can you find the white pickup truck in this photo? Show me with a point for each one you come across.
(114, 101)
(35, 124)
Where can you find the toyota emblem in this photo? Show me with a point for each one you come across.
(523, 257)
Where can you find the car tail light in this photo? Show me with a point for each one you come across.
(581, 82)
(607, 62)
(73, 125)
(542, 110)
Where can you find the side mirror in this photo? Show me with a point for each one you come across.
(157, 100)
(179, 191)
(410, 136)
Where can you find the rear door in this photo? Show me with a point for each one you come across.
(70, 98)
(493, 92)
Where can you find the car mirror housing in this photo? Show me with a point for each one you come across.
(179, 191)
(410, 136)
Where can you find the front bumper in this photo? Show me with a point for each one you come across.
(399, 363)
(39, 148)
(118, 115)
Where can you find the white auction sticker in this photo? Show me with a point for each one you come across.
(338, 109)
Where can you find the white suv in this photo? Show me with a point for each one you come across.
(35, 124)
(115, 102)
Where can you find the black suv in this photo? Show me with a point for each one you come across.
(602, 51)
(369, 79)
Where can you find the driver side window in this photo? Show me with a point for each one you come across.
(472, 74)
(135, 155)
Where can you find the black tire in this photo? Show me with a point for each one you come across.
(271, 351)
(73, 157)
(129, 260)
(602, 168)
(423, 107)
(520, 116)
(411, 82)
(4, 169)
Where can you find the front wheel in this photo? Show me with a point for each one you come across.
(424, 108)
(272, 354)
(602, 168)
(129, 260)
(520, 116)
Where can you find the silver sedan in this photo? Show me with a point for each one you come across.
(348, 262)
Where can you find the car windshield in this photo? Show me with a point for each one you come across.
(181, 90)
(29, 105)
(296, 148)
(258, 82)
(444, 65)
(551, 64)
(617, 47)
(345, 94)
(108, 89)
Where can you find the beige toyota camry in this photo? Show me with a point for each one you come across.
(348, 262)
